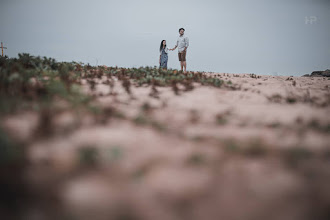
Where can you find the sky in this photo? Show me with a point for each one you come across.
(282, 37)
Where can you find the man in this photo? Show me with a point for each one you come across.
(182, 44)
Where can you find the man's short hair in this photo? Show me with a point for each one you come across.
(181, 29)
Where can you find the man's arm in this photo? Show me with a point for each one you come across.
(174, 47)
(187, 43)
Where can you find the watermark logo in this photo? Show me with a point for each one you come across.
(310, 19)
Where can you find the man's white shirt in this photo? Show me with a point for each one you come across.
(182, 42)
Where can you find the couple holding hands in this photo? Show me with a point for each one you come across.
(182, 45)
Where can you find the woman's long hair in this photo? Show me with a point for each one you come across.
(161, 45)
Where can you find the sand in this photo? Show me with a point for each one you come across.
(256, 150)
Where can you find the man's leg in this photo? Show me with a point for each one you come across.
(184, 61)
(181, 62)
(185, 66)
(179, 55)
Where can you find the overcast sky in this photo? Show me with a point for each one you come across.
(282, 37)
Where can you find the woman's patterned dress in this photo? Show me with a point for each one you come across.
(163, 59)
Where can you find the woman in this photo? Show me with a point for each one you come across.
(163, 55)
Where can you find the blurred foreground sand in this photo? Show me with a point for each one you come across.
(259, 151)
